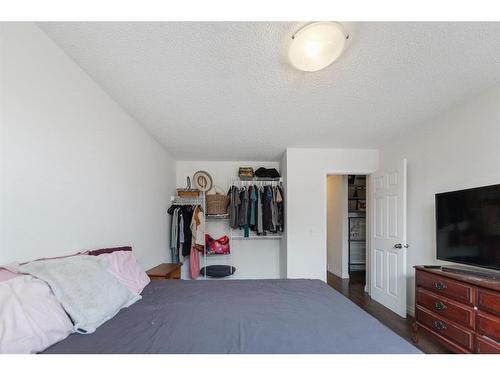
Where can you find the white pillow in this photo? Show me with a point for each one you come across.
(86, 290)
(31, 318)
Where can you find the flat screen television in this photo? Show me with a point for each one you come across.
(468, 226)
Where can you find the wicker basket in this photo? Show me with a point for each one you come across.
(217, 203)
(245, 173)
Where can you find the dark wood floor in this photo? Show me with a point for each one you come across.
(353, 288)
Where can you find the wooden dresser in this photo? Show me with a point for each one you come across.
(461, 311)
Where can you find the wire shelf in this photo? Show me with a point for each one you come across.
(180, 201)
(218, 217)
(257, 181)
(257, 237)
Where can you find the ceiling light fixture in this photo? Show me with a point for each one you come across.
(317, 45)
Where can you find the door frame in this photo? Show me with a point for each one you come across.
(344, 267)
(368, 173)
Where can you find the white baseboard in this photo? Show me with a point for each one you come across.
(410, 310)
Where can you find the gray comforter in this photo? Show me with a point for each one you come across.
(239, 316)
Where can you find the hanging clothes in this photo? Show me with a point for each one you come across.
(194, 264)
(198, 229)
(187, 216)
(180, 231)
(198, 241)
(253, 207)
(267, 204)
(234, 205)
(174, 233)
(274, 209)
(242, 217)
(260, 223)
(256, 208)
(244, 212)
(281, 214)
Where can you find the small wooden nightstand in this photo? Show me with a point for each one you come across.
(165, 271)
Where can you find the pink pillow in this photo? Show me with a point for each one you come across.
(7, 275)
(31, 318)
(124, 266)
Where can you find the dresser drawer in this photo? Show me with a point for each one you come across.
(446, 287)
(488, 325)
(446, 308)
(445, 328)
(486, 346)
(488, 300)
(156, 278)
(175, 274)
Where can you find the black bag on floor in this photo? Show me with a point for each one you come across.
(219, 270)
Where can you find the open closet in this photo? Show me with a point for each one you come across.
(243, 221)
(346, 226)
(356, 190)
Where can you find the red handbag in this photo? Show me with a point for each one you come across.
(218, 246)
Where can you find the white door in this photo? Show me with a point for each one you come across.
(388, 236)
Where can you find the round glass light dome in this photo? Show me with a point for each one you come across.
(317, 45)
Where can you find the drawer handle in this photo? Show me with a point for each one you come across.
(439, 325)
(440, 306)
(439, 285)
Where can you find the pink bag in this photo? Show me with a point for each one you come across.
(194, 263)
(218, 246)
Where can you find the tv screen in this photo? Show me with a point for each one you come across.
(468, 226)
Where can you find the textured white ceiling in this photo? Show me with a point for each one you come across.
(224, 91)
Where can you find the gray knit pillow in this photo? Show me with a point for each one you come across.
(87, 291)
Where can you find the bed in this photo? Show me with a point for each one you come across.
(239, 316)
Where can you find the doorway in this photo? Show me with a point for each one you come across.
(346, 227)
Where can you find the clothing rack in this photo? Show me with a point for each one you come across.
(257, 181)
(193, 201)
(228, 258)
(201, 201)
(233, 234)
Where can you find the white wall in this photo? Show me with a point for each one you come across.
(76, 171)
(306, 171)
(253, 259)
(283, 250)
(336, 222)
(459, 149)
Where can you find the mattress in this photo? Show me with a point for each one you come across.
(239, 316)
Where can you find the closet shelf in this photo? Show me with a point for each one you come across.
(264, 179)
(257, 237)
(218, 217)
(208, 256)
